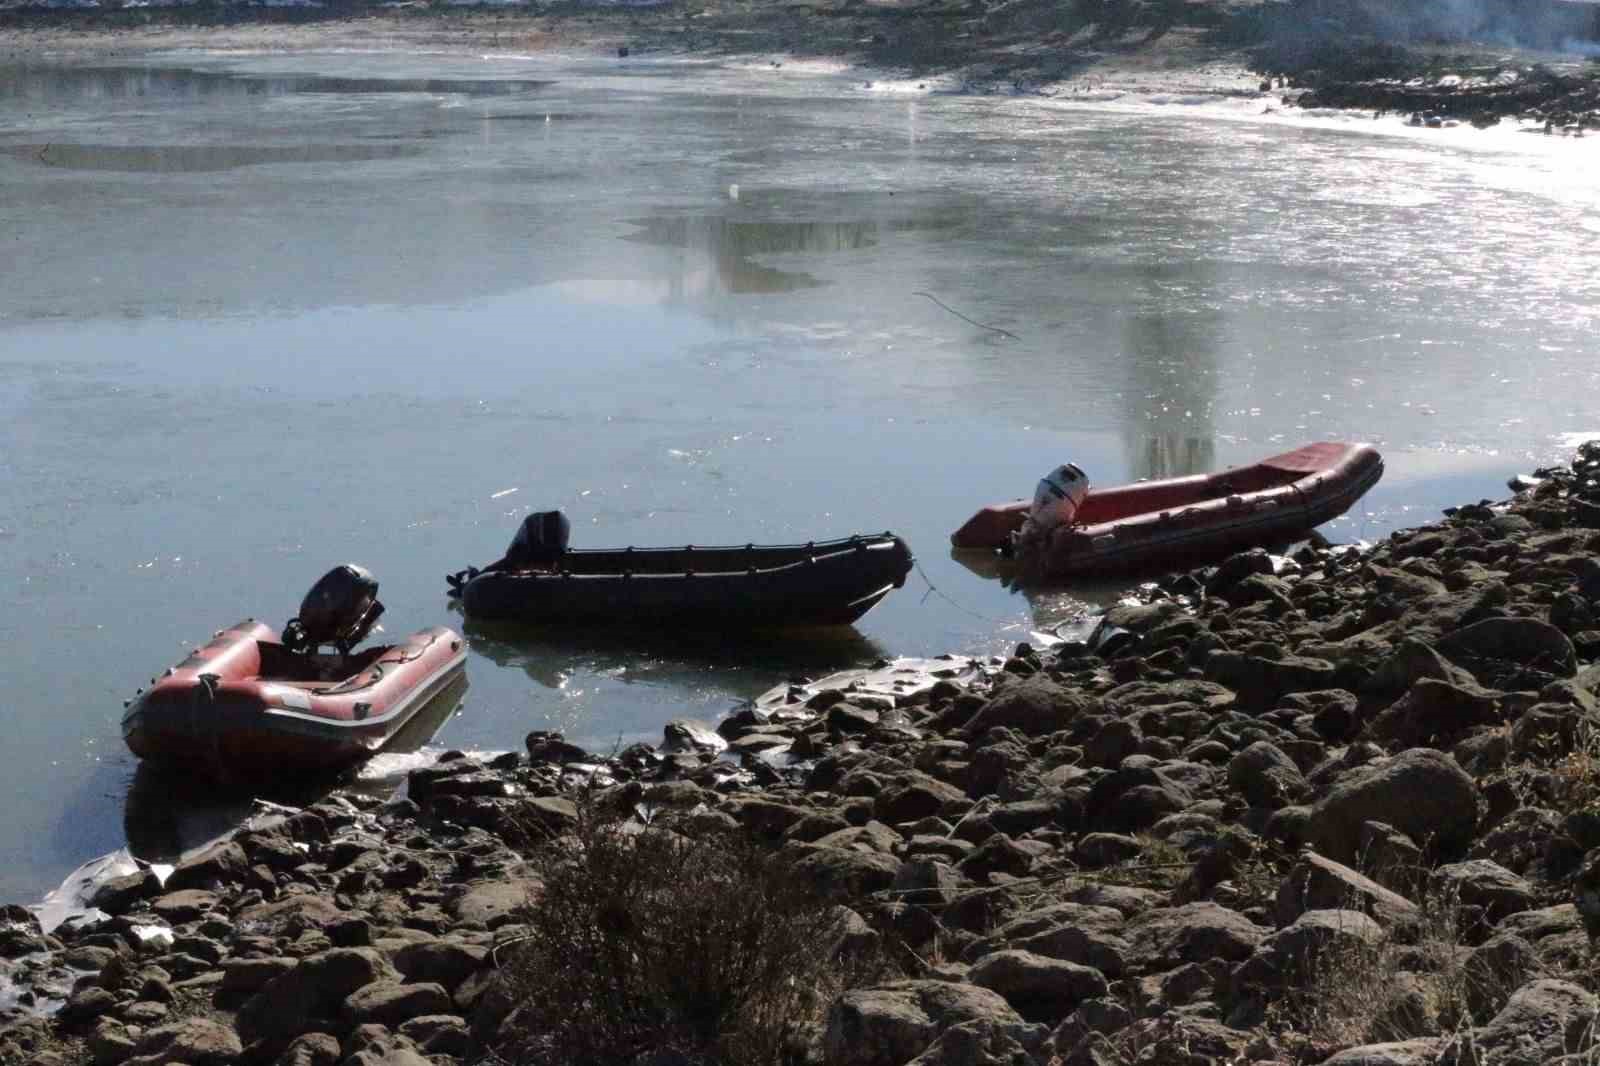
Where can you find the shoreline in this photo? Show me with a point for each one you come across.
(1374, 761)
(1247, 48)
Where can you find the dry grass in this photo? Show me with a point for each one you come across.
(1578, 771)
(1371, 993)
(646, 942)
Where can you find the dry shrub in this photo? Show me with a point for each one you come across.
(1578, 772)
(651, 945)
(1358, 993)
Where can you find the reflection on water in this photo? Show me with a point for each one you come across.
(1173, 455)
(1053, 605)
(167, 813)
(175, 85)
(552, 655)
(730, 246)
(197, 158)
(1172, 340)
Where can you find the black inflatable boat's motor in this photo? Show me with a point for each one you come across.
(541, 540)
(340, 609)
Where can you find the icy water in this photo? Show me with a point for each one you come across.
(262, 315)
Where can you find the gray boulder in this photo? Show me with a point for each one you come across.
(1522, 640)
(1542, 1021)
(1436, 713)
(1421, 792)
(1035, 706)
(1265, 776)
(1039, 988)
(1421, 1052)
(1292, 955)
(1318, 883)
(1484, 883)
(1166, 937)
(975, 1044)
(892, 1024)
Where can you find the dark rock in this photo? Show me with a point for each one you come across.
(1524, 640)
(310, 1049)
(1266, 777)
(843, 875)
(1096, 850)
(241, 977)
(1422, 792)
(1423, 1051)
(444, 962)
(1034, 706)
(1260, 681)
(391, 1003)
(1542, 1020)
(1166, 937)
(914, 796)
(893, 1024)
(545, 746)
(85, 1005)
(1318, 883)
(1289, 957)
(687, 735)
(221, 864)
(1496, 968)
(1486, 884)
(1039, 988)
(1003, 854)
(1134, 798)
(311, 993)
(1523, 842)
(1436, 713)
(975, 1044)
(199, 1041)
(1236, 568)
(1412, 661)
(438, 1034)
(118, 894)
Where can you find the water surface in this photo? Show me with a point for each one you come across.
(261, 315)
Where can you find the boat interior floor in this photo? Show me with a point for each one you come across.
(312, 669)
(1112, 504)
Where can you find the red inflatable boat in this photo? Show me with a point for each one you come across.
(1179, 521)
(252, 703)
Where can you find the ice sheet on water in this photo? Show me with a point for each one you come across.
(73, 895)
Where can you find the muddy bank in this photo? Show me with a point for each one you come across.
(1336, 808)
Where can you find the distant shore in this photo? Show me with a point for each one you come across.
(1220, 47)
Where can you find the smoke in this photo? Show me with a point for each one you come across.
(1573, 46)
(1565, 25)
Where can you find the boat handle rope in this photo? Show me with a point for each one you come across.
(350, 686)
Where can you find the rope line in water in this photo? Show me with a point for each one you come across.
(964, 318)
(933, 590)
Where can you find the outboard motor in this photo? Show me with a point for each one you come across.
(1055, 505)
(1058, 496)
(540, 541)
(340, 609)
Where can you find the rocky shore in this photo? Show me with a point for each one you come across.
(1339, 808)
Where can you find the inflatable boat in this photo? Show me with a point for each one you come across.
(1179, 522)
(751, 586)
(253, 702)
